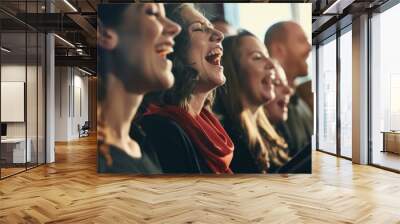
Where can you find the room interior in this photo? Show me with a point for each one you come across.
(49, 91)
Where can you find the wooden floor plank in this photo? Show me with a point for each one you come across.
(70, 191)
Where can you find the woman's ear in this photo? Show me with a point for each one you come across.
(107, 38)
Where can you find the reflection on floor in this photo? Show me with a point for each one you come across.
(346, 152)
(8, 170)
(387, 159)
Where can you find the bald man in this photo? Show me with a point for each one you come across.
(287, 42)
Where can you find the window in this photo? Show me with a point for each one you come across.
(22, 78)
(385, 87)
(346, 94)
(313, 72)
(327, 96)
(240, 15)
(268, 15)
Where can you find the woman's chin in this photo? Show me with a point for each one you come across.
(215, 74)
(165, 81)
(170, 79)
(220, 80)
(215, 82)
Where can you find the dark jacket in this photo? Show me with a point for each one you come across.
(123, 163)
(173, 147)
(242, 161)
(283, 130)
(299, 126)
(300, 163)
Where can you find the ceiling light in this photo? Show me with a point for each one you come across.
(5, 50)
(70, 5)
(337, 7)
(64, 40)
(84, 71)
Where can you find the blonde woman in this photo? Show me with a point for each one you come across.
(250, 76)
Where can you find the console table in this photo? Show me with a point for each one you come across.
(391, 141)
(13, 150)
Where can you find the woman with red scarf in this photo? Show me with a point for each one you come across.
(186, 135)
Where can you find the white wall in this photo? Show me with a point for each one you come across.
(61, 103)
(71, 94)
(16, 73)
(80, 110)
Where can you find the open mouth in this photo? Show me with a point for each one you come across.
(164, 49)
(267, 83)
(214, 56)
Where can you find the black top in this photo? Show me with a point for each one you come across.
(299, 126)
(173, 147)
(242, 161)
(300, 163)
(283, 130)
(123, 163)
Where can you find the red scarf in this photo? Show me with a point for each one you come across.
(205, 132)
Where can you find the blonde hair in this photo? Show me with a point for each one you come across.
(264, 142)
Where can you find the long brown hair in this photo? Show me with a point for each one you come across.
(264, 142)
(186, 77)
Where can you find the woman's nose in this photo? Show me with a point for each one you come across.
(171, 28)
(288, 90)
(268, 64)
(217, 35)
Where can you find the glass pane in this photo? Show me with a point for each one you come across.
(314, 79)
(327, 97)
(31, 98)
(346, 94)
(385, 89)
(13, 87)
(41, 98)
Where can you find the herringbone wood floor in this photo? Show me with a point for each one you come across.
(70, 191)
